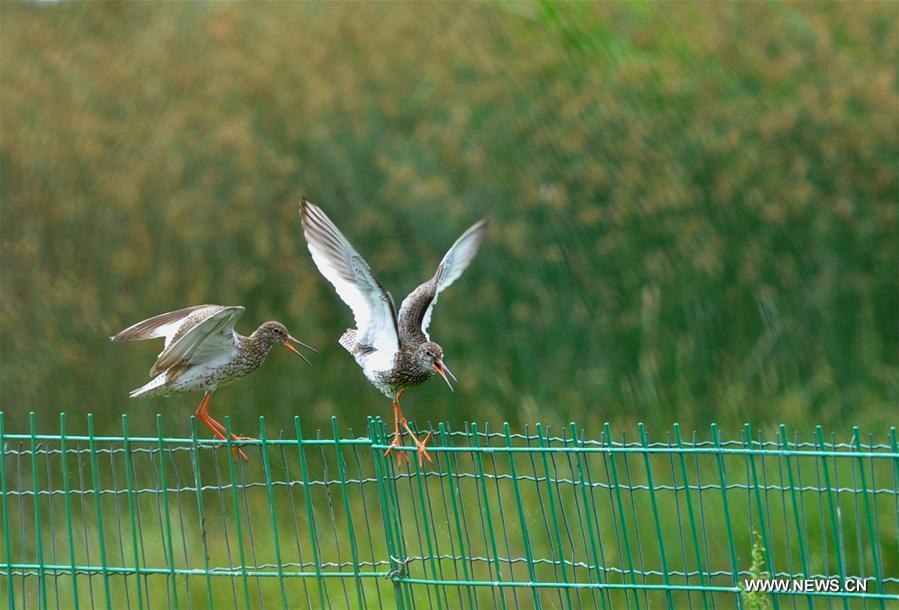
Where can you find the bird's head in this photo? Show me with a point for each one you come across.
(430, 358)
(270, 333)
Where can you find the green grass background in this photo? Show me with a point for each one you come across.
(694, 208)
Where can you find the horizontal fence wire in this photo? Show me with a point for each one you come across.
(535, 519)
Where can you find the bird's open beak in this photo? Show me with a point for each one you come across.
(286, 343)
(298, 342)
(443, 370)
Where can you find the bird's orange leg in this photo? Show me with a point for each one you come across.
(401, 420)
(397, 435)
(217, 429)
(420, 445)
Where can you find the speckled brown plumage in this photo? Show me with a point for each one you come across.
(203, 352)
(251, 353)
(407, 368)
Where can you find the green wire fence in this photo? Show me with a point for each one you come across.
(534, 519)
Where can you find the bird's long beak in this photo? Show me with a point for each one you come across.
(287, 344)
(298, 342)
(443, 370)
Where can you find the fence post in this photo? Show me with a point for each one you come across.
(834, 513)
(873, 542)
(551, 499)
(272, 511)
(393, 538)
(422, 502)
(101, 531)
(522, 520)
(310, 513)
(607, 430)
(655, 515)
(693, 531)
(769, 562)
(201, 507)
(797, 520)
(489, 518)
(129, 480)
(169, 549)
(347, 511)
(235, 498)
(42, 581)
(722, 479)
(452, 491)
(580, 459)
(3, 491)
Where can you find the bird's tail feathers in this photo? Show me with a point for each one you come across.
(151, 388)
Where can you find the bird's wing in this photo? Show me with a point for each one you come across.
(208, 337)
(416, 309)
(352, 278)
(164, 325)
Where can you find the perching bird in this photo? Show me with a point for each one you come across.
(202, 352)
(394, 351)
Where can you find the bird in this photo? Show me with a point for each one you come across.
(393, 349)
(203, 352)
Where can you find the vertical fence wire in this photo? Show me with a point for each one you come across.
(536, 519)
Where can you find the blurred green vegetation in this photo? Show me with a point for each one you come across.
(694, 205)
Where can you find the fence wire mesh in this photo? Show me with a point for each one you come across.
(537, 519)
